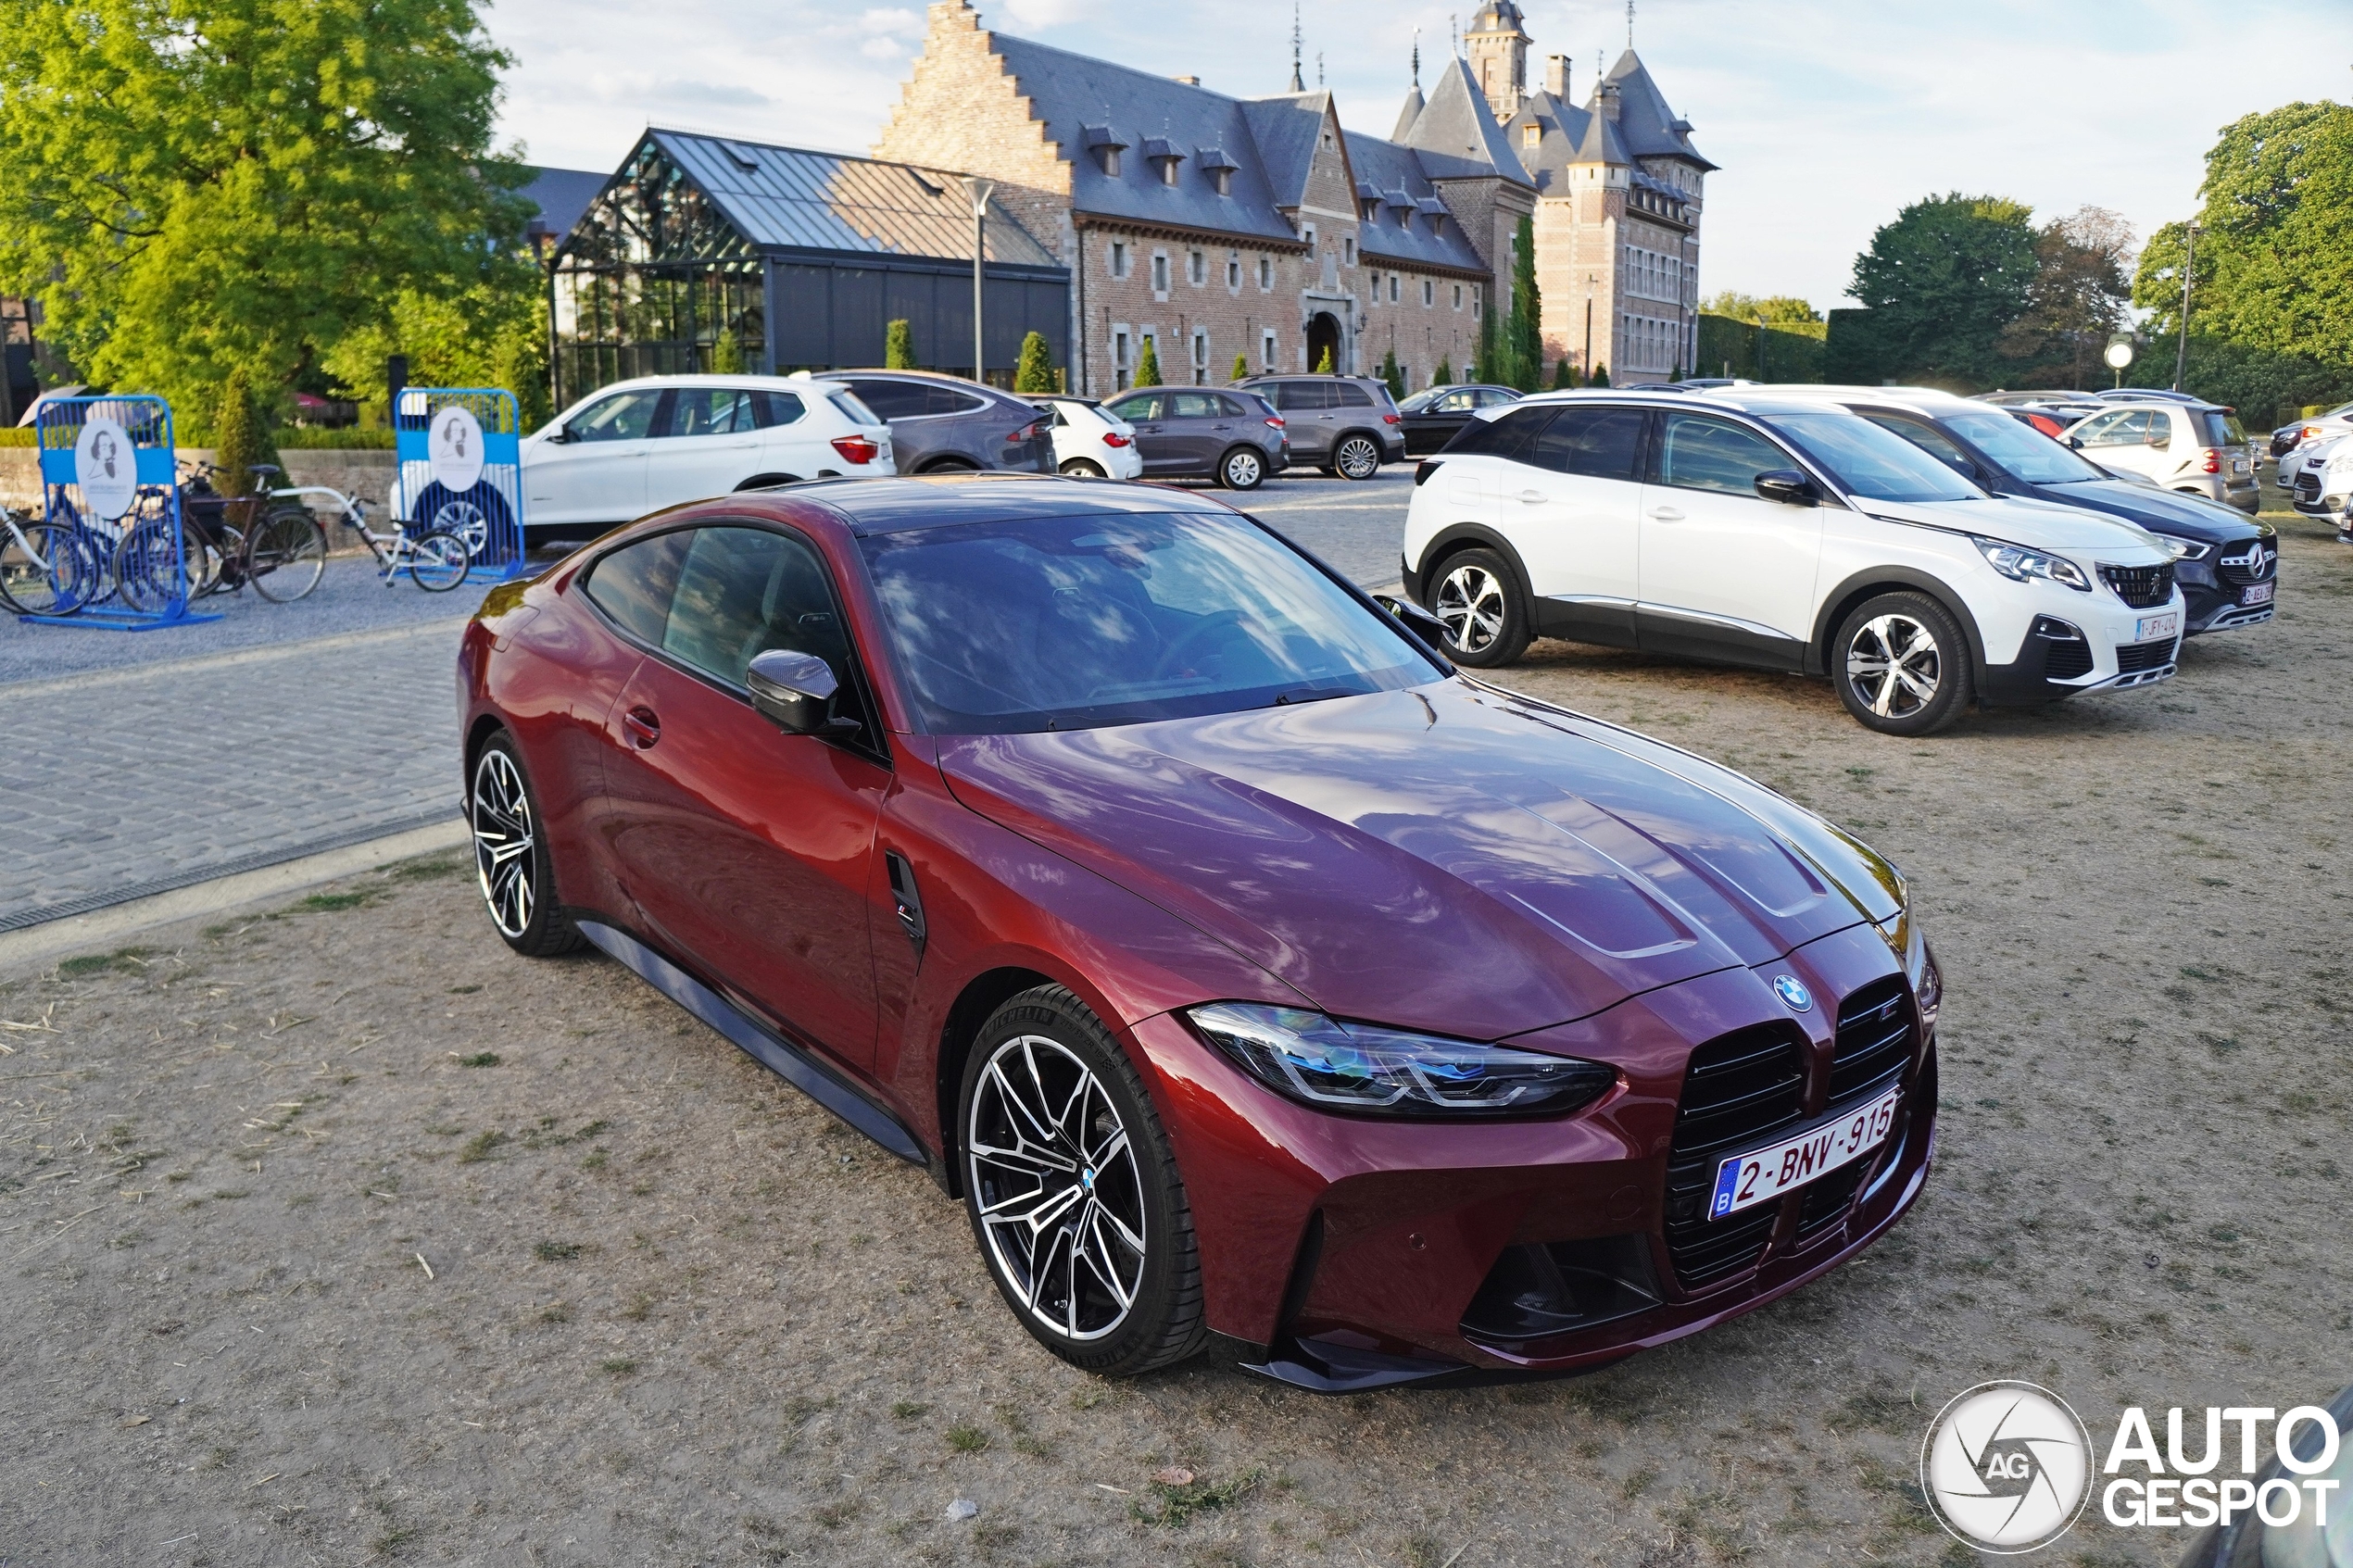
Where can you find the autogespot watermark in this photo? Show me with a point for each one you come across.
(2007, 1467)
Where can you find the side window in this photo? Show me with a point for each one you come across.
(635, 585)
(771, 408)
(1594, 443)
(892, 399)
(1352, 396)
(1929, 439)
(1133, 409)
(743, 591)
(1231, 409)
(1455, 403)
(948, 400)
(1489, 398)
(1305, 397)
(1506, 435)
(2109, 430)
(2160, 431)
(1197, 406)
(708, 411)
(626, 416)
(1699, 453)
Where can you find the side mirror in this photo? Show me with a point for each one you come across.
(559, 435)
(1789, 487)
(2076, 441)
(793, 690)
(1420, 622)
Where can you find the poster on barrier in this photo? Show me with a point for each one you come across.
(112, 550)
(461, 468)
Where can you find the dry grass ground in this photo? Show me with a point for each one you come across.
(339, 1236)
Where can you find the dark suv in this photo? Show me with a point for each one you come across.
(1197, 432)
(1346, 425)
(946, 424)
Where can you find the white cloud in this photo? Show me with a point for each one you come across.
(895, 18)
(882, 48)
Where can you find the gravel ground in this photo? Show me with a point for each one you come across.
(338, 1234)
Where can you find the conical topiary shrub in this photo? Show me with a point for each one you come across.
(1034, 372)
(240, 441)
(1148, 364)
(899, 346)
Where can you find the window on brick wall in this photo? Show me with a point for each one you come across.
(1201, 357)
(1196, 267)
(1123, 368)
(1458, 296)
(1233, 271)
(1159, 272)
(1429, 294)
(1346, 251)
(1393, 288)
(1265, 271)
(1266, 350)
(1310, 237)
(1118, 259)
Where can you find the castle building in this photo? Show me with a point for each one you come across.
(1620, 190)
(1220, 228)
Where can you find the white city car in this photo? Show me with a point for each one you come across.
(1090, 443)
(638, 445)
(1739, 527)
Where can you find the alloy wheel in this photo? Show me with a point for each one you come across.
(1357, 457)
(1470, 601)
(1056, 1189)
(1895, 665)
(1243, 471)
(467, 521)
(503, 842)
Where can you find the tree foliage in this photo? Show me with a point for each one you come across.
(1772, 310)
(899, 346)
(1443, 375)
(1035, 370)
(2075, 302)
(194, 185)
(241, 440)
(1148, 363)
(1564, 374)
(1393, 375)
(1941, 281)
(1525, 341)
(492, 334)
(1241, 366)
(726, 356)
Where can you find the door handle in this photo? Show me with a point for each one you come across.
(642, 724)
(1534, 497)
(1667, 514)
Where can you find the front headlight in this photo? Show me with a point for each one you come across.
(1928, 981)
(2021, 564)
(1358, 1067)
(2182, 549)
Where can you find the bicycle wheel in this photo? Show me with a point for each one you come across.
(155, 567)
(286, 555)
(439, 561)
(51, 572)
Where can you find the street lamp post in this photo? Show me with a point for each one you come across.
(980, 190)
(2189, 261)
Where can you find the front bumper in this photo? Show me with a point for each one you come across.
(1344, 1242)
(2084, 643)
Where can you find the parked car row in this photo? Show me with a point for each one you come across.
(1922, 551)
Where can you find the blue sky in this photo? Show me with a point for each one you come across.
(1826, 115)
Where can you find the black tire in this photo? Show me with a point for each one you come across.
(1357, 456)
(286, 555)
(951, 465)
(1902, 665)
(1081, 468)
(1120, 1167)
(1242, 468)
(767, 482)
(57, 575)
(518, 888)
(1481, 600)
(440, 561)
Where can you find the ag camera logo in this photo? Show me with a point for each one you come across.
(2007, 1467)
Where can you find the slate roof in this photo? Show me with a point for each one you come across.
(1646, 127)
(1456, 136)
(1069, 91)
(790, 199)
(1649, 126)
(1410, 113)
(1395, 174)
(558, 197)
(1286, 129)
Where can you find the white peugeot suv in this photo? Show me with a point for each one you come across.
(1736, 526)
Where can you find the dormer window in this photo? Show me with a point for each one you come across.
(1531, 135)
(1104, 145)
(1219, 167)
(1164, 158)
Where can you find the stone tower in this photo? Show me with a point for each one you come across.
(1497, 47)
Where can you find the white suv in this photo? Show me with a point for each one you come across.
(1739, 527)
(638, 445)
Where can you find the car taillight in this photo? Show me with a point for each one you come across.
(2213, 462)
(1027, 433)
(856, 449)
(1275, 420)
(1392, 419)
(2048, 426)
(2308, 433)
(1113, 438)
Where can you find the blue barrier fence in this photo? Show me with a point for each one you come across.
(118, 557)
(459, 451)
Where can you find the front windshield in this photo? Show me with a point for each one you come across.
(1872, 462)
(2023, 450)
(1074, 623)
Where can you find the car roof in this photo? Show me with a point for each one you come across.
(778, 384)
(1763, 399)
(893, 506)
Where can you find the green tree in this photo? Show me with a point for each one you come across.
(1526, 334)
(1241, 366)
(726, 356)
(240, 438)
(1942, 282)
(1564, 374)
(1601, 376)
(1443, 375)
(1773, 310)
(1034, 372)
(1324, 361)
(492, 334)
(1393, 375)
(1148, 363)
(194, 185)
(2076, 300)
(899, 346)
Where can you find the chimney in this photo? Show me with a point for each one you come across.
(1189, 81)
(1556, 76)
(1609, 101)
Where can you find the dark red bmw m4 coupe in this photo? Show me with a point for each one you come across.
(1241, 966)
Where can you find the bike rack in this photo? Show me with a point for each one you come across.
(145, 473)
(426, 493)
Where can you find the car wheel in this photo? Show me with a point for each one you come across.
(1079, 468)
(1073, 1191)
(951, 465)
(767, 482)
(511, 861)
(1358, 456)
(1244, 468)
(1479, 599)
(1902, 665)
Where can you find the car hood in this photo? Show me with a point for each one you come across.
(1447, 857)
(2168, 511)
(2042, 525)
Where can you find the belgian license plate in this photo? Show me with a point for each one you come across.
(2257, 593)
(2151, 627)
(2238, 465)
(1764, 1174)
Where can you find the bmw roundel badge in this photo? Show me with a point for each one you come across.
(1791, 989)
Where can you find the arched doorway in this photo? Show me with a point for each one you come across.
(1323, 337)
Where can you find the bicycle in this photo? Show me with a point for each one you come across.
(437, 559)
(50, 568)
(283, 555)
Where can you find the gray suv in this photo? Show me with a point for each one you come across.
(946, 424)
(1233, 437)
(1346, 425)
